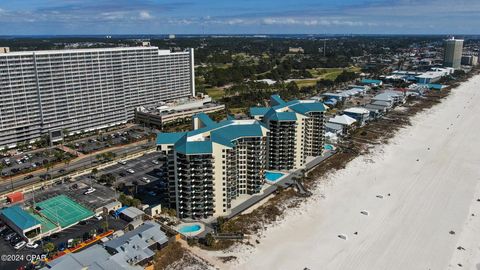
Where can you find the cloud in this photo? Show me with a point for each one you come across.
(145, 15)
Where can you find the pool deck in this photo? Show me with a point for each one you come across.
(285, 181)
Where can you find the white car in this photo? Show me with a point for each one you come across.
(155, 162)
(98, 217)
(123, 162)
(131, 171)
(89, 190)
(19, 245)
(32, 245)
(146, 180)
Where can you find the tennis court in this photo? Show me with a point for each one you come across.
(63, 211)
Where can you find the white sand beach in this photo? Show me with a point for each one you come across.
(431, 170)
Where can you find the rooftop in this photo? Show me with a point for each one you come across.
(20, 217)
(342, 120)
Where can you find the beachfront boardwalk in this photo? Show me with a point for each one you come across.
(431, 171)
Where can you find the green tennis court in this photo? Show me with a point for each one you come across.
(64, 211)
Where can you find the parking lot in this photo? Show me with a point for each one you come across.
(81, 231)
(26, 162)
(141, 171)
(103, 141)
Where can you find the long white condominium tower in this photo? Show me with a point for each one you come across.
(45, 92)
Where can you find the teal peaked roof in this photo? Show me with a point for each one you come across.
(195, 147)
(169, 138)
(276, 100)
(226, 135)
(258, 111)
(20, 217)
(206, 120)
(370, 81)
(304, 108)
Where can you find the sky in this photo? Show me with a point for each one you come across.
(84, 17)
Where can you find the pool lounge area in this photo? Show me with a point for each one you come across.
(273, 176)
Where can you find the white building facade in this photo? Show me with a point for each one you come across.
(45, 92)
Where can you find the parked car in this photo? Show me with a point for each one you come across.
(89, 190)
(98, 217)
(19, 245)
(10, 236)
(122, 174)
(32, 245)
(146, 180)
(131, 171)
(30, 176)
(15, 240)
(155, 162)
(6, 232)
(123, 162)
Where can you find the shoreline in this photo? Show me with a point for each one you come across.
(380, 154)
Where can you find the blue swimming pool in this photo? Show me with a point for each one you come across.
(273, 176)
(189, 228)
(328, 147)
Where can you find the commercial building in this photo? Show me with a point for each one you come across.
(158, 116)
(47, 92)
(211, 166)
(453, 53)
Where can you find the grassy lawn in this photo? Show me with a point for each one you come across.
(215, 93)
(306, 82)
(324, 73)
(238, 110)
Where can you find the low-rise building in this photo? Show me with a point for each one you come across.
(158, 116)
(112, 207)
(130, 251)
(362, 115)
(20, 221)
(132, 213)
(372, 82)
(347, 122)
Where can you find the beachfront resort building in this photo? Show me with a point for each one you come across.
(296, 131)
(212, 165)
(215, 163)
(51, 91)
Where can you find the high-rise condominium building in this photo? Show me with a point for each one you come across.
(453, 53)
(45, 92)
(296, 131)
(211, 166)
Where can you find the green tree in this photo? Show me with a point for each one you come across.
(209, 240)
(48, 247)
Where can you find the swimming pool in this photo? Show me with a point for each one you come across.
(328, 147)
(273, 176)
(190, 229)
